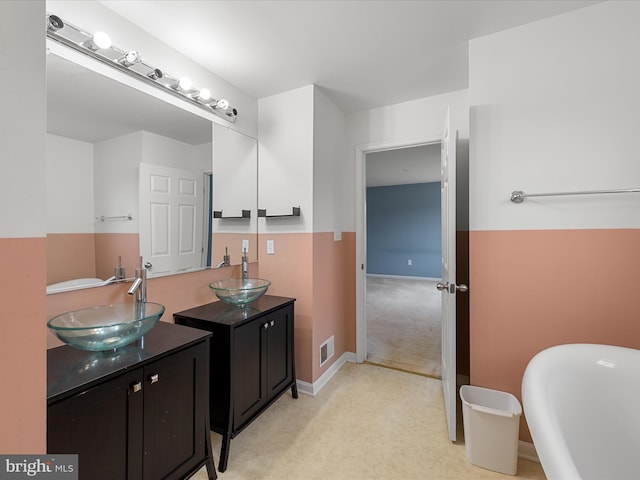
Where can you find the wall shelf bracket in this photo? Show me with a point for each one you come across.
(262, 212)
(245, 214)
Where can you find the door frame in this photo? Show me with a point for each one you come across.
(361, 230)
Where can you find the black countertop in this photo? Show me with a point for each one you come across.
(70, 370)
(226, 314)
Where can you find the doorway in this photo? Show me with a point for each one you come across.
(403, 257)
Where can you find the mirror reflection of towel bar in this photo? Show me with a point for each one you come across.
(121, 217)
(518, 196)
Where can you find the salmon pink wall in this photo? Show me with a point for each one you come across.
(110, 246)
(22, 340)
(535, 289)
(70, 255)
(334, 292)
(233, 243)
(318, 272)
(88, 255)
(290, 271)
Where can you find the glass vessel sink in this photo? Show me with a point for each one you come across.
(239, 292)
(106, 327)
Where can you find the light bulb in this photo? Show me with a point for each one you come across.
(130, 58)
(222, 104)
(204, 94)
(100, 40)
(185, 83)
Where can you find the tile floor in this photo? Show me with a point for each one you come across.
(368, 422)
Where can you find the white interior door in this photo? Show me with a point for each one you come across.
(171, 202)
(448, 285)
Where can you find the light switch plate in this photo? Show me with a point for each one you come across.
(270, 247)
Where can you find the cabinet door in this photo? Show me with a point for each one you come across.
(174, 424)
(103, 425)
(248, 370)
(279, 351)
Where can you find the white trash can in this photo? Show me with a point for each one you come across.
(491, 428)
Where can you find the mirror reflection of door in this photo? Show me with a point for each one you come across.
(171, 206)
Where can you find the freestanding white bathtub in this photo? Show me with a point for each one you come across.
(582, 405)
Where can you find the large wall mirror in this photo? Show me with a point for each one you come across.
(131, 175)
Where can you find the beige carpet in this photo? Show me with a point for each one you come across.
(403, 324)
(367, 423)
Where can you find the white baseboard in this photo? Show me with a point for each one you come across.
(313, 388)
(402, 277)
(527, 451)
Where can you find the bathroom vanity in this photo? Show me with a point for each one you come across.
(140, 412)
(252, 360)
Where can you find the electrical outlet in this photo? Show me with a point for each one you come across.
(245, 245)
(270, 247)
(409, 262)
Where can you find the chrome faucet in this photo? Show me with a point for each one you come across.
(226, 260)
(139, 286)
(245, 265)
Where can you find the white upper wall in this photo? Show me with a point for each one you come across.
(285, 160)
(408, 122)
(22, 122)
(116, 169)
(69, 198)
(93, 16)
(329, 152)
(554, 107)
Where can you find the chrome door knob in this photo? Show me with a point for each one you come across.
(452, 288)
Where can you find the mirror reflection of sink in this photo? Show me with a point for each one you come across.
(106, 327)
(239, 292)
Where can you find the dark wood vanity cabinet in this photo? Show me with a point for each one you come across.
(139, 413)
(252, 360)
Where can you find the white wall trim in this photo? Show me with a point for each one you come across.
(402, 277)
(314, 388)
(361, 241)
(527, 451)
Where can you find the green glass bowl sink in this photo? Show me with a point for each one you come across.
(106, 327)
(239, 292)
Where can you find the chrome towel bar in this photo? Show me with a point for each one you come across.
(518, 196)
(121, 217)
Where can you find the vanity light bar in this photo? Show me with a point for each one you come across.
(99, 47)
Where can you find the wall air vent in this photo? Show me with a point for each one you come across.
(326, 350)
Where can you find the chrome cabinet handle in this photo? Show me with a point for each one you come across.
(273, 322)
(136, 387)
(148, 265)
(266, 325)
(154, 378)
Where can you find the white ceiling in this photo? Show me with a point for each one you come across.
(403, 166)
(364, 53)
